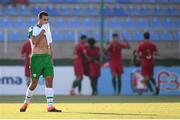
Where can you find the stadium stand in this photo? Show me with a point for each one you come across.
(71, 18)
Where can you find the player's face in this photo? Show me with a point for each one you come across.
(115, 39)
(84, 41)
(43, 20)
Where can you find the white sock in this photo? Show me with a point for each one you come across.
(28, 96)
(49, 92)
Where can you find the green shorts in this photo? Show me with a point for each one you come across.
(41, 64)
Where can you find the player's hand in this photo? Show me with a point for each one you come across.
(45, 27)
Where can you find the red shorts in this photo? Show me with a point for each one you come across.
(78, 68)
(27, 69)
(147, 69)
(94, 70)
(116, 68)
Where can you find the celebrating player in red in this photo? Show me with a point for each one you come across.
(26, 52)
(93, 56)
(79, 52)
(146, 51)
(116, 65)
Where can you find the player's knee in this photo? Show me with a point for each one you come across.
(33, 85)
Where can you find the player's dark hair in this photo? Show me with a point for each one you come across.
(42, 13)
(115, 35)
(91, 41)
(83, 37)
(146, 35)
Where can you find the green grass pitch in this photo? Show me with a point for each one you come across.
(88, 107)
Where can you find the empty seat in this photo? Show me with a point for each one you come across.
(5, 23)
(74, 23)
(17, 36)
(138, 36)
(119, 11)
(88, 23)
(160, 11)
(154, 36)
(10, 10)
(70, 36)
(24, 11)
(51, 10)
(166, 36)
(36, 9)
(142, 23)
(129, 23)
(155, 23)
(145, 10)
(132, 10)
(115, 23)
(168, 23)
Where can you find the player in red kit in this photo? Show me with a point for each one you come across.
(146, 50)
(93, 58)
(26, 52)
(79, 53)
(115, 47)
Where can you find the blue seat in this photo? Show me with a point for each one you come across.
(175, 1)
(51, 10)
(166, 36)
(119, 11)
(70, 36)
(1, 35)
(173, 11)
(123, 1)
(162, 1)
(19, 23)
(58, 36)
(31, 22)
(177, 23)
(78, 11)
(61, 23)
(138, 36)
(88, 23)
(145, 10)
(154, 36)
(115, 23)
(136, 1)
(24, 11)
(108, 11)
(127, 35)
(93, 11)
(10, 10)
(17, 36)
(64, 10)
(38, 1)
(36, 9)
(5, 23)
(142, 23)
(168, 23)
(155, 23)
(160, 11)
(132, 10)
(149, 1)
(129, 23)
(74, 23)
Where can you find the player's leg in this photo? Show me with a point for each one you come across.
(96, 84)
(48, 74)
(119, 84)
(35, 73)
(80, 85)
(153, 81)
(78, 69)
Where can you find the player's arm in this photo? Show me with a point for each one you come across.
(38, 38)
(23, 51)
(127, 45)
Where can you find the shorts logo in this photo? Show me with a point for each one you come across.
(34, 75)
